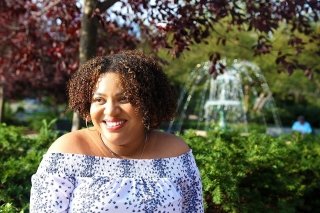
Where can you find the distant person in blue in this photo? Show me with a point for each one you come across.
(301, 126)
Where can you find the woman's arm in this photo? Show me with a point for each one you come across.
(191, 189)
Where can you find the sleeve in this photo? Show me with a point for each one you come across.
(308, 128)
(294, 126)
(50, 191)
(192, 191)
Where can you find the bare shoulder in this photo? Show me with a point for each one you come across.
(72, 142)
(169, 145)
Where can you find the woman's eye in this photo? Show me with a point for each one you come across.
(123, 100)
(98, 100)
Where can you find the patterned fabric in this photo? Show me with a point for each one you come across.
(79, 183)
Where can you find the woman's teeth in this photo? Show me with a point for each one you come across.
(113, 124)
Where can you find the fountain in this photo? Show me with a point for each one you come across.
(231, 100)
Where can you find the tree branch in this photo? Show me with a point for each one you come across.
(48, 7)
(5, 39)
(103, 6)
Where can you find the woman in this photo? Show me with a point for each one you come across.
(122, 163)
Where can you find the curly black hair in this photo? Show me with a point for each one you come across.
(145, 86)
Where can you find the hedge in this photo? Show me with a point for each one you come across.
(240, 173)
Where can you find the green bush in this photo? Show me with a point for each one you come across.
(20, 157)
(257, 172)
(8, 208)
(240, 173)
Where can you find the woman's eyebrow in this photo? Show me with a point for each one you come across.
(102, 94)
(99, 94)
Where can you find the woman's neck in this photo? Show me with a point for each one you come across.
(131, 150)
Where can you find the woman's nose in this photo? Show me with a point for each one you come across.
(111, 108)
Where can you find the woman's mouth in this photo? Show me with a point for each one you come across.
(114, 125)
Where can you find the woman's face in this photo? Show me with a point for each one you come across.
(111, 113)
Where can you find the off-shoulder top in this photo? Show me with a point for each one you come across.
(79, 183)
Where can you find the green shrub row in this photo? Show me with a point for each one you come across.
(20, 157)
(240, 173)
(258, 173)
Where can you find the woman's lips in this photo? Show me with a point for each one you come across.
(114, 125)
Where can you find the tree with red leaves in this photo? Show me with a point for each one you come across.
(192, 21)
(40, 43)
(43, 42)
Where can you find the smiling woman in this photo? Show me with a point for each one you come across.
(122, 163)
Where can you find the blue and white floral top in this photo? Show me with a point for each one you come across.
(80, 183)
